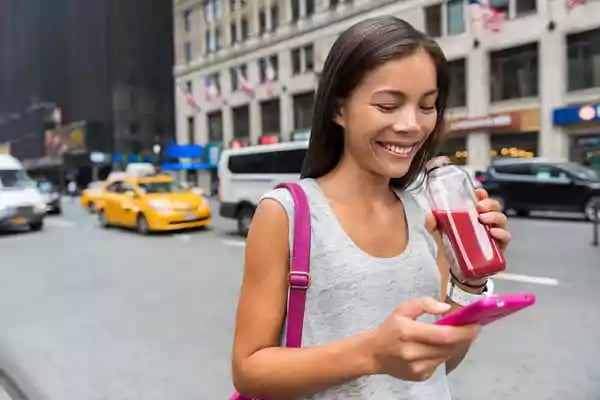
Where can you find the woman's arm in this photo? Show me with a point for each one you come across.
(261, 368)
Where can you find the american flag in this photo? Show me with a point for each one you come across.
(243, 84)
(269, 75)
(574, 3)
(491, 18)
(189, 97)
(210, 87)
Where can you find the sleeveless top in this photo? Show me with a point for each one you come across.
(352, 291)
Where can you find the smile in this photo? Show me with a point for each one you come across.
(397, 150)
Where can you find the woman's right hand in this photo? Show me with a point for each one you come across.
(411, 350)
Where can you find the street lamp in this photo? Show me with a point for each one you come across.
(156, 149)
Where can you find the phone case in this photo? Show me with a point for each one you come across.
(488, 309)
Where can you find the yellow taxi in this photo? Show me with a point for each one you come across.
(90, 195)
(152, 203)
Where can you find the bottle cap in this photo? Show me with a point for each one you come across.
(437, 162)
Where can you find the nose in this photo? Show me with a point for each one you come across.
(407, 121)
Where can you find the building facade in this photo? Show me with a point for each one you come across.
(106, 65)
(252, 68)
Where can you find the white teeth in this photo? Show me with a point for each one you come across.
(398, 149)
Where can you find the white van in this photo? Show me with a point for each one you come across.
(21, 203)
(246, 173)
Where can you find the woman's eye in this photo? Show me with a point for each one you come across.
(428, 108)
(386, 108)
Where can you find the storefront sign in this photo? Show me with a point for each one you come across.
(213, 153)
(509, 120)
(184, 151)
(577, 114)
(268, 139)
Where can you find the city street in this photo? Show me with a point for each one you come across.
(101, 314)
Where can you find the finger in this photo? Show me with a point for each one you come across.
(481, 194)
(430, 223)
(501, 235)
(415, 352)
(436, 335)
(425, 369)
(487, 205)
(424, 305)
(493, 218)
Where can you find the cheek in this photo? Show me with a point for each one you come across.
(427, 122)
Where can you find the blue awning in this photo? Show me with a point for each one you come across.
(186, 166)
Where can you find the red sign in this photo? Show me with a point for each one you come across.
(495, 121)
(268, 139)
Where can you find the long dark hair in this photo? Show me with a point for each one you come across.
(360, 49)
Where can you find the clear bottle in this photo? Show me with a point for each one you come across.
(472, 252)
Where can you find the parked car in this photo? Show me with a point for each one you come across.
(51, 196)
(525, 185)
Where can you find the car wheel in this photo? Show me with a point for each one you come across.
(102, 219)
(244, 219)
(36, 226)
(142, 225)
(592, 208)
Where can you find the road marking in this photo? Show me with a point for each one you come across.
(539, 280)
(59, 223)
(235, 243)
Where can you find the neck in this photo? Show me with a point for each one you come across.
(347, 181)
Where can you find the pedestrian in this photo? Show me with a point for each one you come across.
(72, 189)
(379, 276)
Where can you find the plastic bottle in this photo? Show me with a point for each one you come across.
(470, 249)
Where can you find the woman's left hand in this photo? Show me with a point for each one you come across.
(491, 214)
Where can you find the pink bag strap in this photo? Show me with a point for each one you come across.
(299, 276)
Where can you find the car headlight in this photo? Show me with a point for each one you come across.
(159, 205)
(39, 207)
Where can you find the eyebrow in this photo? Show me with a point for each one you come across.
(397, 93)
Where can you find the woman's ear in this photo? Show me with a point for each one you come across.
(338, 116)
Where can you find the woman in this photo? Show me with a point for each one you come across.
(378, 275)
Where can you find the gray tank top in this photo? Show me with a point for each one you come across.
(352, 292)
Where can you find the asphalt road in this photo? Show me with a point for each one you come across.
(109, 315)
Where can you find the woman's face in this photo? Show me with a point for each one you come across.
(388, 117)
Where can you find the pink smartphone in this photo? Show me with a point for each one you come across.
(488, 309)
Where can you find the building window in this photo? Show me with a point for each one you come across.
(232, 4)
(191, 130)
(217, 38)
(310, 7)
(583, 55)
(303, 110)
(333, 4)
(244, 27)
(514, 73)
(189, 87)
(457, 96)
(208, 42)
(241, 122)
(274, 18)
(187, 48)
(262, 22)
(187, 20)
(209, 11)
(233, 31)
(215, 127)
(295, 10)
(296, 62)
(217, 8)
(524, 7)
(303, 59)
(262, 66)
(433, 20)
(435, 26)
(270, 117)
(455, 17)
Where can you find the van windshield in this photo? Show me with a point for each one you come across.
(15, 179)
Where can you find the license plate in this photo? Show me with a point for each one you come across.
(190, 217)
(19, 220)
